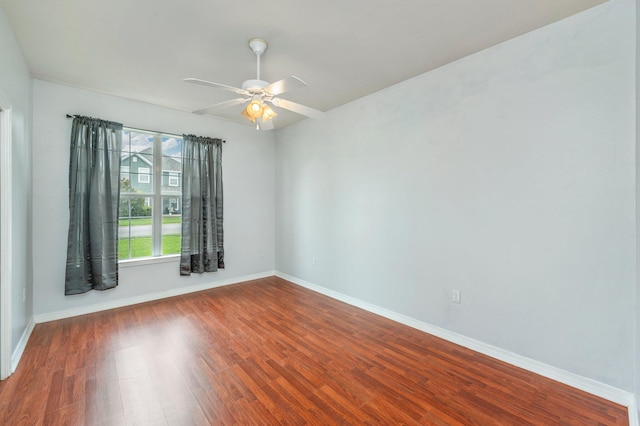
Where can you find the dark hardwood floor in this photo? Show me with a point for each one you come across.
(270, 352)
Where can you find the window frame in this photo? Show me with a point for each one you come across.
(156, 197)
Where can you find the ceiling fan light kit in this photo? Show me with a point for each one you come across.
(259, 94)
(258, 110)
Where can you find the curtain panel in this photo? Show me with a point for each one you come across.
(202, 213)
(94, 193)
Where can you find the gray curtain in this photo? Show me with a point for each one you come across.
(202, 233)
(94, 193)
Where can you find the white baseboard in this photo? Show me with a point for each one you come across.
(634, 419)
(602, 390)
(22, 344)
(68, 313)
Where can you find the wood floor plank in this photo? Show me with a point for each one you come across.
(269, 352)
(103, 403)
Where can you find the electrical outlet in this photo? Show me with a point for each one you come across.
(456, 296)
(315, 261)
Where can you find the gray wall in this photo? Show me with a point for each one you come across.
(15, 85)
(508, 175)
(248, 172)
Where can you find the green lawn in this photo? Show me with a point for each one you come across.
(147, 220)
(171, 244)
(142, 246)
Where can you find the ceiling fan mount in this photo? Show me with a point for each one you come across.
(259, 94)
(258, 45)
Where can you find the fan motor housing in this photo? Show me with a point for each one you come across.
(254, 86)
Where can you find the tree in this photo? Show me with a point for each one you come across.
(132, 206)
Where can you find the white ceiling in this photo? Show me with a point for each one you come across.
(344, 50)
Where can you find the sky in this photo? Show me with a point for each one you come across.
(133, 141)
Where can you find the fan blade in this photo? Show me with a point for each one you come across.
(266, 125)
(217, 85)
(297, 108)
(225, 104)
(285, 85)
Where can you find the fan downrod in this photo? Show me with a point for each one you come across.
(258, 46)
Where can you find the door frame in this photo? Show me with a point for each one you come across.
(5, 237)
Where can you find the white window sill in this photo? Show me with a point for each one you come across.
(173, 258)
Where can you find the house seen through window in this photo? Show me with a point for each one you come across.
(150, 218)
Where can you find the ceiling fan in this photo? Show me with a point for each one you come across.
(259, 94)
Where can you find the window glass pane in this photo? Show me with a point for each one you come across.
(136, 162)
(135, 227)
(171, 225)
(171, 146)
(124, 175)
(171, 165)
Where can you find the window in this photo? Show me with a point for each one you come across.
(150, 220)
(143, 175)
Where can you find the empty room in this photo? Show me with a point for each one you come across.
(364, 212)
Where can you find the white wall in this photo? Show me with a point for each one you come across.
(248, 173)
(637, 336)
(15, 85)
(508, 175)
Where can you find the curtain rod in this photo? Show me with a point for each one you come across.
(144, 130)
